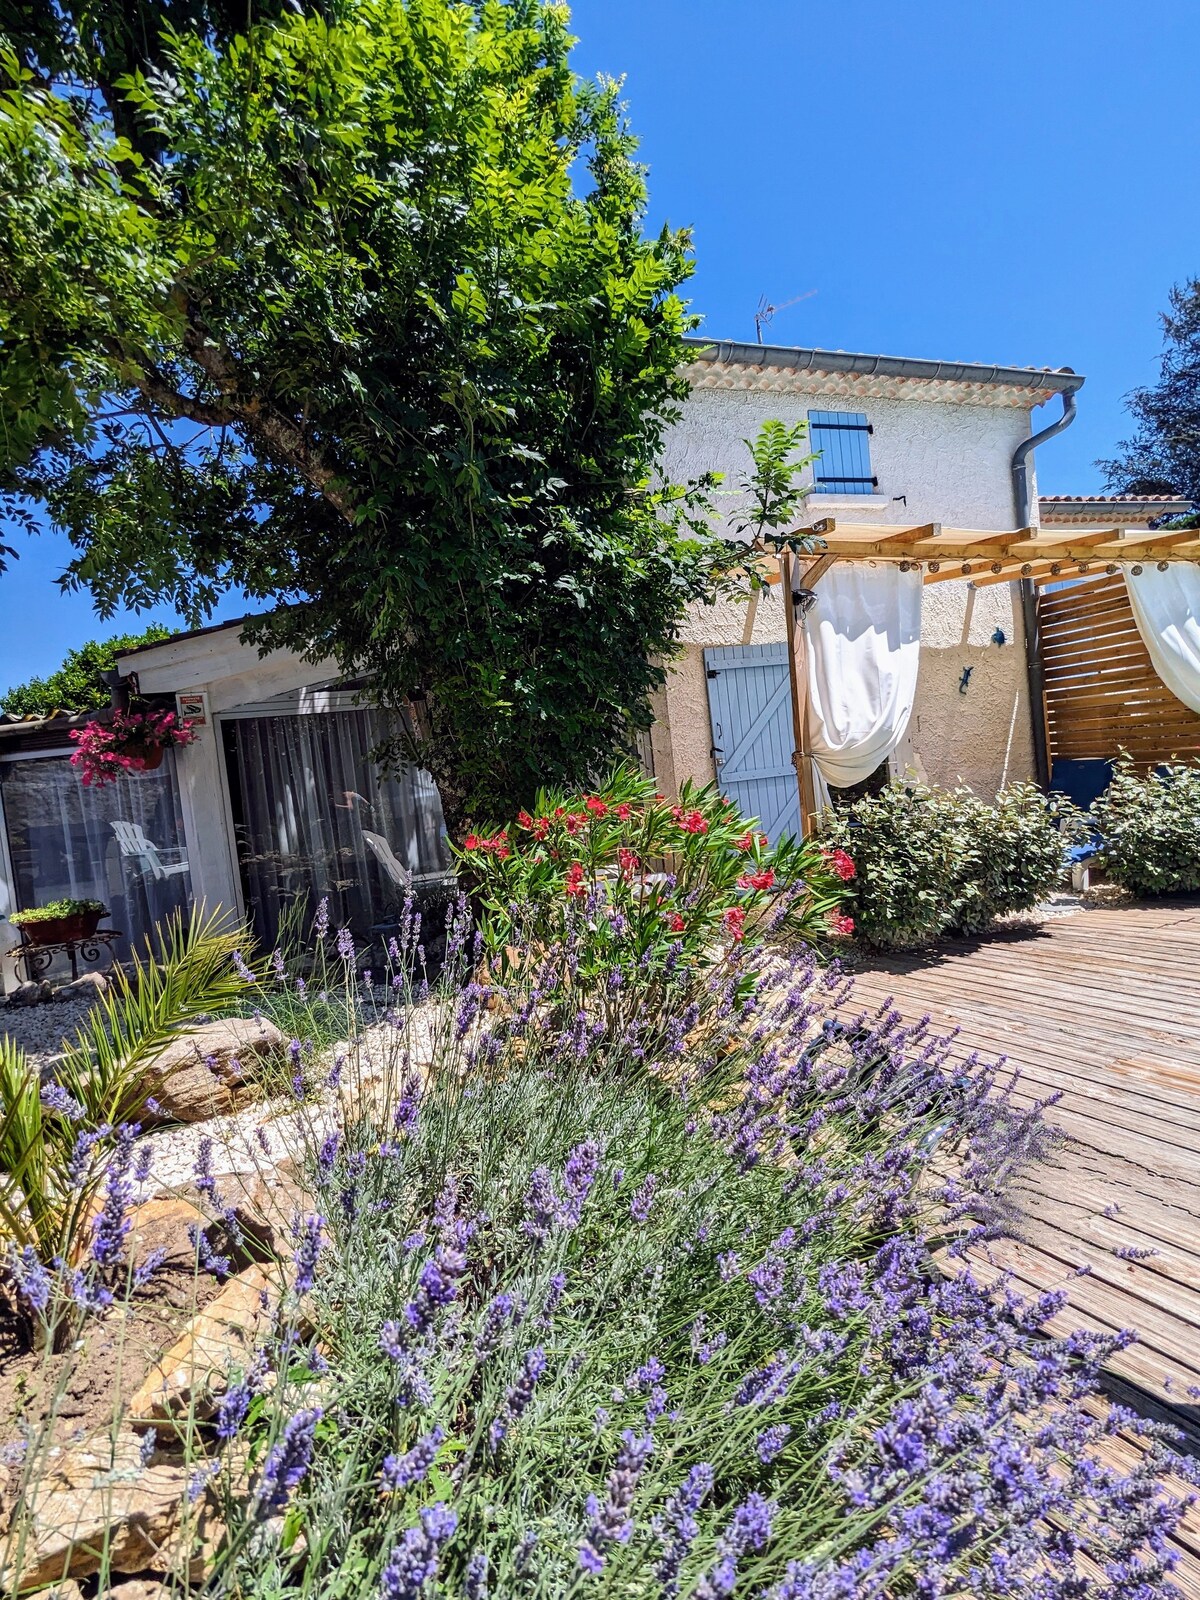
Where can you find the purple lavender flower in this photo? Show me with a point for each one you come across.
(748, 1529)
(141, 1167)
(516, 1401)
(639, 1206)
(579, 1175)
(308, 1236)
(680, 1527)
(610, 1523)
(32, 1279)
(111, 1227)
(242, 970)
(232, 1410)
(278, 966)
(437, 1286)
(327, 1155)
(146, 1268)
(404, 1118)
(402, 1472)
(771, 1441)
(333, 1078)
(203, 1171)
(475, 1579)
(413, 1564)
(55, 1098)
(345, 945)
(321, 920)
(208, 1259)
(288, 1461)
(146, 1446)
(497, 1314)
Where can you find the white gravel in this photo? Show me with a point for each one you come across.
(40, 1030)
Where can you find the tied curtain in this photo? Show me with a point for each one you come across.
(316, 819)
(1166, 608)
(863, 638)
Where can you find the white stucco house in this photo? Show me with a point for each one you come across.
(278, 804)
(901, 442)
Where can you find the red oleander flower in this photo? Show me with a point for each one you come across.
(629, 862)
(471, 842)
(541, 827)
(840, 924)
(624, 811)
(524, 820)
(735, 923)
(746, 842)
(675, 922)
(596, 806)
(573, 883)
(575, 822)
(690, 821)
(757, 880)
(841, 864)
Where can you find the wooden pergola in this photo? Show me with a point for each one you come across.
(943, 555)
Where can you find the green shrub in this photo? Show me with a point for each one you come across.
(1151, 827)
(935, 861)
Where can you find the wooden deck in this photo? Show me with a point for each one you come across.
(1104, 1007)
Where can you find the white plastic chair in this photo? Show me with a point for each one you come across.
(136, 847)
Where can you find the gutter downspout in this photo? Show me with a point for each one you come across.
(1027, 518)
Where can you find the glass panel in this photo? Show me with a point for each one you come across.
(121, 843)
(315, 819)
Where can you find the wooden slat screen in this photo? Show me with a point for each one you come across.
(1102, 693)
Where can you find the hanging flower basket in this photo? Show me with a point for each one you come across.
(130, 741)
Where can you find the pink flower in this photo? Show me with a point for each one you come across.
(840, 924)
(757, 880)
(573, 884)
(840, 863)
(735, 923)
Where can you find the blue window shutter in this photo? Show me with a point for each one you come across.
(842, 442)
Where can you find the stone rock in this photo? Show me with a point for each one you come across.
(222, 1338)
(25, 994)
(264, 1203)
(99, 1495)
(87, 986)
(211, 1070)
(45, 990)
(68, 1589)
(139, 1589)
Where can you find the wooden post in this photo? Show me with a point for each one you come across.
(798, 678)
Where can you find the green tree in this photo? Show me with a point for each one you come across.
(1163, 456)
(356, 311)
(78, 685)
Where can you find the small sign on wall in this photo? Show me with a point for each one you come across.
(193, 708)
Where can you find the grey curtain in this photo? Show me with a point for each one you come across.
(122, 843)
(315, 819)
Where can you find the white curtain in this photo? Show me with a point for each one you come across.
(863, 636)
(1166, 608)
(317, 819)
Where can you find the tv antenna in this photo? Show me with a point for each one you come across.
(766, 311)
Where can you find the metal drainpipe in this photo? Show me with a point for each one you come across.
(1023, 501)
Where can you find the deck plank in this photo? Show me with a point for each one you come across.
(1099, 1008)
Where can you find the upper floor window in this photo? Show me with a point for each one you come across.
(841, 440)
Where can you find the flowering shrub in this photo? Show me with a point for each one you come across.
(127, 742)
(935, 861)
(1151, 827)
(673, 1330)
(640, 891)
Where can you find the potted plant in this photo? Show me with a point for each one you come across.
(59, 921)
(128, 741)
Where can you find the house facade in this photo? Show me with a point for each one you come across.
(278, 804)
(901, 442)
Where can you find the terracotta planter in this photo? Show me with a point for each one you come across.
(59, 930)
(147, 756)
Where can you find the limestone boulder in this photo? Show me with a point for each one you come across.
(25, 994)
(211, 1070)
(87, 986)
(220, 1340)
(99, 1498)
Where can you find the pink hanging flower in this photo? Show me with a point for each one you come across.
(128, 741)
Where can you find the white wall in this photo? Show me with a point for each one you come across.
(951, 460)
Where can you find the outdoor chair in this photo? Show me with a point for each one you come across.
(387, 859)
(135, 846)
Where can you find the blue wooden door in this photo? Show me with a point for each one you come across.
(750, 707)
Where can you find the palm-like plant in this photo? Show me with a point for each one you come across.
(47, 1181)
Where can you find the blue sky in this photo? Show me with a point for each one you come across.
(989, 180)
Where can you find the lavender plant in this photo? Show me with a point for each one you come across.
(597, 1319)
